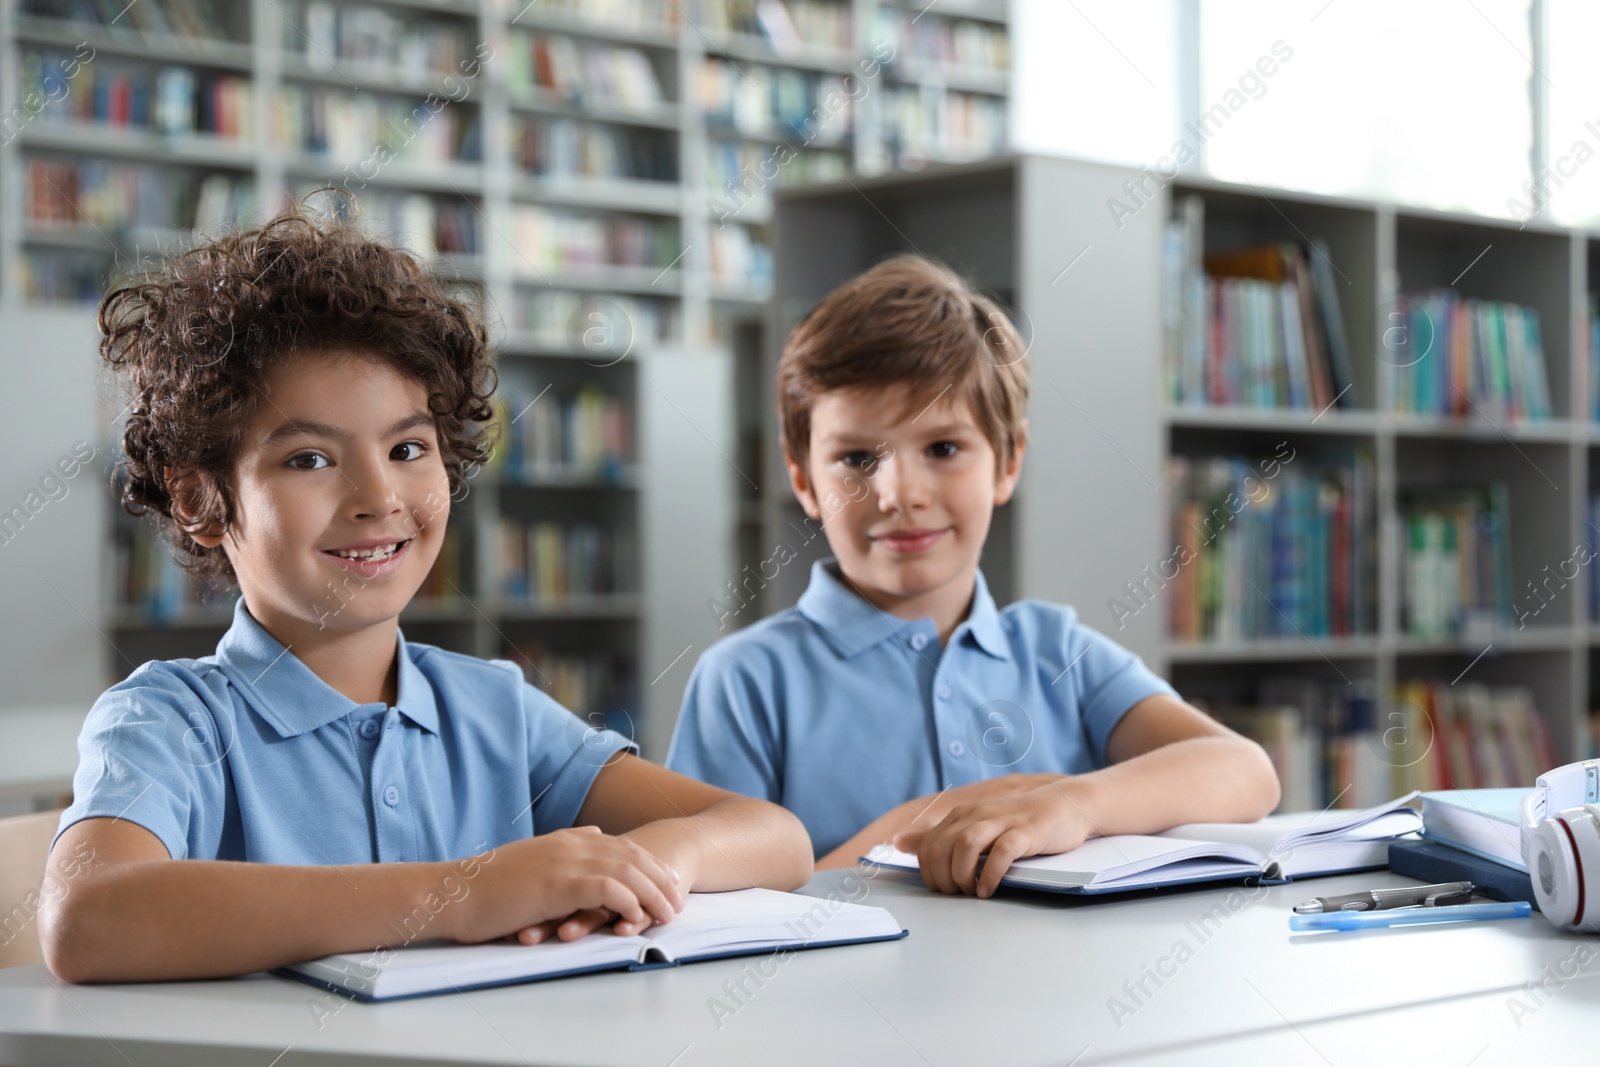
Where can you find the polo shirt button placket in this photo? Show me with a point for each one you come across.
(370, 728)
(919, 641)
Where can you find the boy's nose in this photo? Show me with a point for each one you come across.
(373, 493)
(900, 485)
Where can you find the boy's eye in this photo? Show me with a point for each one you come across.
(418, 450)
(943, 449)
(308, 461)
(857, 459)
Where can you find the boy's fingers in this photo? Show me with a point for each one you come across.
(1006, 850)
(537, 933)
(969, 847)
(934, 860)
(662, 875)
(909, 840)
(584, 923)
(647, 892)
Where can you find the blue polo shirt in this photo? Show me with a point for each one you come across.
(248, 755)
(840, 711)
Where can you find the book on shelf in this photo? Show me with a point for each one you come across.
(547, 239)
(788, 26)
(369, 130)
(426, 225)
(638, 16)
(738, 172)
(1268, 547)
(194, 19)
(1456, 561)
(570, 148)
(738, 257)
(1484, 822)
(549, 563)
(596, 686)
(929, 37)
(775, 102)
(148, 581)
(1254, 327)
(545, 434)
(378, 37)
(922, 123)
(601, 327)
(171, 101)
(61, 278)
(589, 74)
(743, 922)
(1337, 742)
(1456, 356)
(110, 195)
(442, 584)
(1593, 306)
(1279, 848)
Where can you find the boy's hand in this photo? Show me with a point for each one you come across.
(1040, 821)
(577, 878)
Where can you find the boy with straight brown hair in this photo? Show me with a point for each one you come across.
(895, 701)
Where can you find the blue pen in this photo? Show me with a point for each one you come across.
(1362, 920)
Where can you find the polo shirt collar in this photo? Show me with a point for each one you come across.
(289, 695)
(851, 625)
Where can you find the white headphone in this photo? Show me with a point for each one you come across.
(1561, 844)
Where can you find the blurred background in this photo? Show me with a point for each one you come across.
(1333, 257)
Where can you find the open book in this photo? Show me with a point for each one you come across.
(710, 926)
(1276, 849)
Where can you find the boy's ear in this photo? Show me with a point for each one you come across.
(189, 498)
(1006, 483)
(800, 482)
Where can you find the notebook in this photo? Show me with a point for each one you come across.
(1431, 861)
(1485, 822)
(1277, 849)
(710, 926)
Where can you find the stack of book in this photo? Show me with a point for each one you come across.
(598, 687)
(550, 436)
(1257, 327)
(376, 37)
(1273, 547)
(601, 327)
(173, 101)
(194, 19)
(1450, 355)
(548, 563)
(1336, 741)
(1470, 835)
(557, 240)
(568, 148)
(1456, 561)
(354, 127)
(613, 77)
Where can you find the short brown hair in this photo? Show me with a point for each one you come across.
(195, 337)
(908, 321)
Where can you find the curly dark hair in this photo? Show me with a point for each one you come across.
(195, 337)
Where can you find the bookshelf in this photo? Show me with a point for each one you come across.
(599, 176)
(1095, 509)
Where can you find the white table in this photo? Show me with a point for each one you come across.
(1024, 978)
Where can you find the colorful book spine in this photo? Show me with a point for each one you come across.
(114, 195)
(1460, 357)
(1456, 564)
(928, 123)
(568, 148)
(369, 130)
(1259, 556)
(548, 239)
(585, 74)
(787, 25)
(599, 688)
(550, 564)
(195, 19)
(1337, 744)
(599, 326)
(546, 435)
(383, 38)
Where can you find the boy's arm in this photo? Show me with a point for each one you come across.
(118, 908)
(1170, 764)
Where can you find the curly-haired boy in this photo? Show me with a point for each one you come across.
(304, 399)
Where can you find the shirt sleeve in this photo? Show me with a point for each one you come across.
(565, 753)
(152, 753)
(1108, 680)
(725, 734)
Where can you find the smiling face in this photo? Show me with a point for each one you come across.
(341, 497)
(905, 496)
